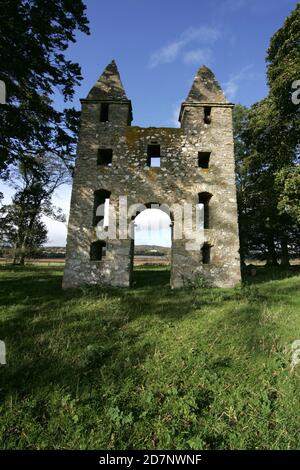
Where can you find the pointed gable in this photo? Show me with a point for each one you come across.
(205, 88)
(109, 86)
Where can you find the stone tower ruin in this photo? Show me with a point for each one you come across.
(194, 166)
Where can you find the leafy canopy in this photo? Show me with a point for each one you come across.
(34, 35)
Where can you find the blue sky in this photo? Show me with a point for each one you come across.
(158, 47)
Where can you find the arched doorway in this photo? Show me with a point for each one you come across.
(151, 258)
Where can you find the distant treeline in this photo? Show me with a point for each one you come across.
(39, 253)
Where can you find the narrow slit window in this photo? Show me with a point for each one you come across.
(207, 114)
(101, 207)
(203, 159)
(153, 158)
(104, 157)
(204, 198)
(206, 253)
(104, 112)
(97, 250)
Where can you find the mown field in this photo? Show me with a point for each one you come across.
(149, 367)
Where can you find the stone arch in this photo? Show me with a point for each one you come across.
(149, 206)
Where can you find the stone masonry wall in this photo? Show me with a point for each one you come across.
(178, 179)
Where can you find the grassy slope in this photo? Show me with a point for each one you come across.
(148, 367)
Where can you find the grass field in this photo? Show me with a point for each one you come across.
(149, 367)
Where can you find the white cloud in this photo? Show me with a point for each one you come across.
(232, 85)
(203, 34)
(57, 231)
(167, 54)
(233, 5)
(197, 56)
(170, 52)
(230, 89)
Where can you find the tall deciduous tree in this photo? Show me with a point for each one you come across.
(288, 181)
(240, 122)
(14, 227)
(20, 222)
(268, 167)
(264, 230)
(283, 60)
(34, 35)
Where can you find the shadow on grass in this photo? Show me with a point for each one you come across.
(100, 334)
(52, 343)
(151, 277)
(268, 273)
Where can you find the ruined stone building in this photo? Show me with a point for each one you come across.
(192, 164)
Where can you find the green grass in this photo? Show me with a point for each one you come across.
(148, 367)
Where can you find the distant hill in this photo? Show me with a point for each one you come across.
(59, 252)
(152, 250)
(146, 250)
(52, 252)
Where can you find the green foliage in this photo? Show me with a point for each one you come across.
(267, 156)
(263, 152)
(149, 367)
(17, 227)
(269, 151)
(283, 61)
(200, 282)
(21, 223)
(33, 39)
(288, 180)
(240, 121)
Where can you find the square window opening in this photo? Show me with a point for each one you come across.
(104, 157)
(203, 159)
(153, 152)
(98, 250)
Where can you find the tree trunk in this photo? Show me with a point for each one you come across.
(15, 255)
(23, 251)
(272, 255)
(284, 252)
(24, 247)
